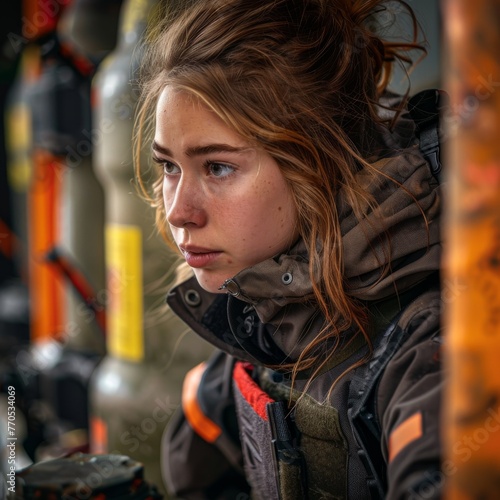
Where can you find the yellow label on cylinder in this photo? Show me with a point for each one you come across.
(18, 138)
(125, 308)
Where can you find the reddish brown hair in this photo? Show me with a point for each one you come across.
(301, 79)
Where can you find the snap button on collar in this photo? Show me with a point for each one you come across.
(192, 298)
(287, 278)
(231, 287)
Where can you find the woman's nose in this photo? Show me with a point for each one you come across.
(183, 204)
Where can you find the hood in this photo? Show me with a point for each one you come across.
(386, 253)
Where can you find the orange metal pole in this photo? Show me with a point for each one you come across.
(45, 282)
(471, 421)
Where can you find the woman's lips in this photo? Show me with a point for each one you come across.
(200, 257)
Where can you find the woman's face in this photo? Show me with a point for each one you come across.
(227, 203)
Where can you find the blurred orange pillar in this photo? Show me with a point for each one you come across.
(471, 420)
(45, 284)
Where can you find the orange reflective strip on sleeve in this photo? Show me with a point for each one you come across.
(201, 424)
(404, 434)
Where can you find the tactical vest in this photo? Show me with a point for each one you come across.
(293, 446)
(287, 454)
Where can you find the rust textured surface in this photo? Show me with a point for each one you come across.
(471, 421)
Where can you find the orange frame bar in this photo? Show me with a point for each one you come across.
(471, 421)
(46, 288)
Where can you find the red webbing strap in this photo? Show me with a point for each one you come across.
(250, 391)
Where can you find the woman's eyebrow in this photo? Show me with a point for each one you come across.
(202, 150)
(160, 149)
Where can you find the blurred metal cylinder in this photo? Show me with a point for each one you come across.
(137, 387)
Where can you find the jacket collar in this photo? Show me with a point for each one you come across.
(275, 283)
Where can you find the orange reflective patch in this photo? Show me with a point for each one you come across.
(201, 424)
(404, 434)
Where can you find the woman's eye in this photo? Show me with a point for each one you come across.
(220, 169)
(170, 168)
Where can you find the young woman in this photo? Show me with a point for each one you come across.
(299, 199)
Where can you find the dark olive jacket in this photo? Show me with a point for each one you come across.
(376, 433)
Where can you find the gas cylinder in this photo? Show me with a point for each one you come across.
(14, 295)
(79, 254)
(137, 386)
(18, 150)
(89, 27)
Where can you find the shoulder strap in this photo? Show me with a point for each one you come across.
(425, 109)
(362, 412)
